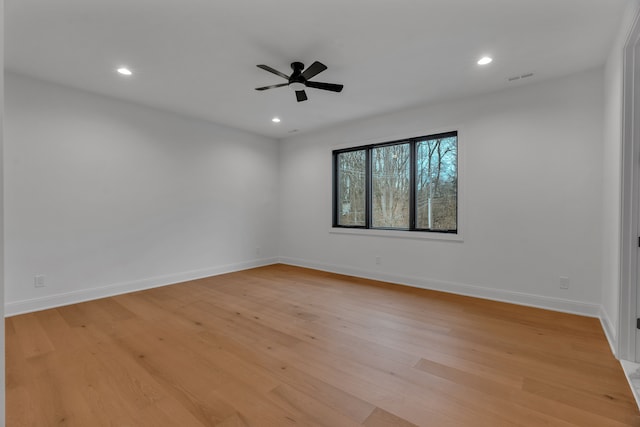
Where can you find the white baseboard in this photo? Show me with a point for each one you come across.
(36, 304)
(609, 330)
(520, 298)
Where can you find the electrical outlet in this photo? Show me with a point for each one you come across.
(564, 282)
(378, 260)
(38, 281)
(258, 251)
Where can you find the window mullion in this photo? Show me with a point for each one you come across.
(412, 184)
(368, 197)
(334, 214)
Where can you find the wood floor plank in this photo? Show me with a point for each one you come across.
(311, 408)
(32, 339)
(181, 374)
(235, 420)
(331, 396)
(382, 418)
(288, 346)
(611, 407)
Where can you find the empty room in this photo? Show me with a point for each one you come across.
(338, 213)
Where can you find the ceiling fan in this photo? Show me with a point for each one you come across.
(299, 79)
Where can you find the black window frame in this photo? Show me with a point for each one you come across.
(413, 147)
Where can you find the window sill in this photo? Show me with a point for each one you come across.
(398, 234)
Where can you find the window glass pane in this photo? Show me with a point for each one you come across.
(390, 186)
(437, 184)
(351, 188)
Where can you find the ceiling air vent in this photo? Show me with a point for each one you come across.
(523, 76)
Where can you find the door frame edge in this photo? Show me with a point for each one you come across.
(630, 195)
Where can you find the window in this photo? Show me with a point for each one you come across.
(402, 185)
(351, 167)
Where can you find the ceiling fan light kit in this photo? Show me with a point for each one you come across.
(299, 79)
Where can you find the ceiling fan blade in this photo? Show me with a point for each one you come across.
(271, 70)
(272, 86)
(301, 95)
(325, 86)
(314, 69)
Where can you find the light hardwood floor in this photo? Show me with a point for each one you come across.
(285, 346)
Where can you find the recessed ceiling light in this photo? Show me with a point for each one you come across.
(124, 71)
(275, 120)
(485, 60)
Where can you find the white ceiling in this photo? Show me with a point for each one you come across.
(199, 57)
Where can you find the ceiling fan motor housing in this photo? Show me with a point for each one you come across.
(296, 81)
(297, 67)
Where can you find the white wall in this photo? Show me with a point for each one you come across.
(103, 196)
(612, 172)
(2, 299)
(532, 206)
